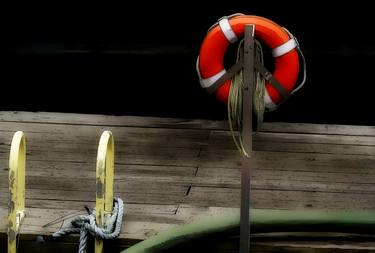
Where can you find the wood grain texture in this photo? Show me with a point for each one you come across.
(173, 171)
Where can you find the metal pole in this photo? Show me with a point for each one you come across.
(247, 112)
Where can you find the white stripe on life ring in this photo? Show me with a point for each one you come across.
(270, 105)
(227, 30)
(207, 82)
(284, 48)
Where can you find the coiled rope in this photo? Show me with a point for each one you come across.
(235, 98)
(85, 224)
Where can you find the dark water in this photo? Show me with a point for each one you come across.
(139, 59)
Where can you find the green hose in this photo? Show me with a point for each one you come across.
(262, 221)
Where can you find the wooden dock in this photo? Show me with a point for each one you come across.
(173, 171)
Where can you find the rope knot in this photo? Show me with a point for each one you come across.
(85, 224)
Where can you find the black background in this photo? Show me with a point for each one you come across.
(138, 58)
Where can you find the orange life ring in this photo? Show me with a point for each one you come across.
(284, 48)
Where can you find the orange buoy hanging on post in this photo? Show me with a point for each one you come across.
(228, 30)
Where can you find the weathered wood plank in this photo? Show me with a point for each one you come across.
(80, 134)
(280, 199)
(224, 138)
(152, 122)
(202, 157)
(106, 120)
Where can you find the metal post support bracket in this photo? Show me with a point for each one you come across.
(104, 182)
(17, 170)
